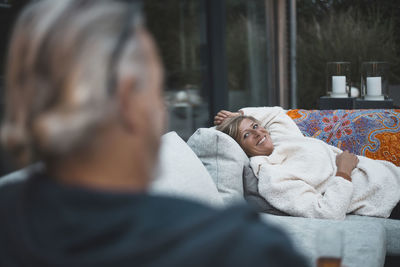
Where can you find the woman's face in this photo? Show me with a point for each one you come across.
(254, 139)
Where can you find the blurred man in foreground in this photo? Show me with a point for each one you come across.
(84, 96)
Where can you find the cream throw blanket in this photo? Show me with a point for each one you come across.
(299, 176)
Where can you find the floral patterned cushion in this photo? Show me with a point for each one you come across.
(374, 133)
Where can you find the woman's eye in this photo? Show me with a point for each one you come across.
(255, 126)
(245, 135)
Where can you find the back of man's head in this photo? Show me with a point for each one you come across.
(63, 55)
(77, 68)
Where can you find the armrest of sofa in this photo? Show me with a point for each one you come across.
(364, 241)
(392, 229)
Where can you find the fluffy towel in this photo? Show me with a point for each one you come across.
(299, 177)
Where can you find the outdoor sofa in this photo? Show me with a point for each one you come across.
(212, 168)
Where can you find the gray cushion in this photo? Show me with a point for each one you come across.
(391, 226)
(252, 195)
(364, 241)
(181, 173)
(224, 161)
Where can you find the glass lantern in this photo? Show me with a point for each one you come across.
(374, 81)
(338, 79)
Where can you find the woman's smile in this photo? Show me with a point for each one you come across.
(262, 140)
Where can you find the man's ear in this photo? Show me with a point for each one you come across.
(129, 103)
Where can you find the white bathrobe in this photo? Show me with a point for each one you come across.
(299, 177)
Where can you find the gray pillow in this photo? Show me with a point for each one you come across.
(252, 195)
(229, 167)
(224, 161)
(181, 174)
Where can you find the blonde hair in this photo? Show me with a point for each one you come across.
(230, 126)
(57, 70)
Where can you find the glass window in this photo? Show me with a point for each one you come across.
(191, 34)
(246, 43)
(177, 28)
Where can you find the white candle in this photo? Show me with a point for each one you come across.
(338, 85)
(374, 86)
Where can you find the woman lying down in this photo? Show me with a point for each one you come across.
(306, 177)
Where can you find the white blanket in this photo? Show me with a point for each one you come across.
(299, 176)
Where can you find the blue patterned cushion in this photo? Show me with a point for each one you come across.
(374, 133)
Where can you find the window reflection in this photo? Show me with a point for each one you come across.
(176, 25)
(246, 42)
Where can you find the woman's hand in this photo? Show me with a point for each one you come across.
(346, 163)
(224, 114)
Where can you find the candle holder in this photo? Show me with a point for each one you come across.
(374, 82)
(338, 79)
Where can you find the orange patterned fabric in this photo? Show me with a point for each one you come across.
(389, 148)
(294, 114)
(371, 133)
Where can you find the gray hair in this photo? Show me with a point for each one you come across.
(57, 71)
